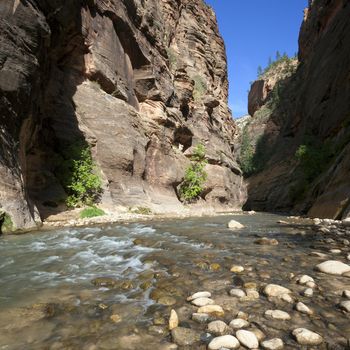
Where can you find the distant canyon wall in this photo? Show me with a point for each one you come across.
(300, 123)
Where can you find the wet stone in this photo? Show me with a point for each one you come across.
(266, 241)
(301, 307)
(345, 305)
(247, 339)
(277, 315)
(185, 336)
(218, 328)
(224, 342)
(202, 302)
(239, 323)
(201, 317)
(272, 344)
(333, 267)
(199, 295)
(239, 293)
(308, 292)
(307, 337)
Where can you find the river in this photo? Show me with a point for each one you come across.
(113, 286)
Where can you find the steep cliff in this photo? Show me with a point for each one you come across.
(302, 123)
(141, 81)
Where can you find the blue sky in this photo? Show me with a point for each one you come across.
(253, 31)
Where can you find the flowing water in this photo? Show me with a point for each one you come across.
(113, 286)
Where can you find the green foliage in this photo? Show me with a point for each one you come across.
(253, 159)
(91, 212)
(246, 154)
(195, 176)
(6, 224)
(313, 158)
(200, 87)
(77, 174)
(141, 210)
(272, 64)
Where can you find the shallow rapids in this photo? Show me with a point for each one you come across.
(113, 286)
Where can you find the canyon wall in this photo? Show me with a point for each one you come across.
(301, 122)
(143, 82)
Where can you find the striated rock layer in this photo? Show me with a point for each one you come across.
(142, 81)
(307, 114)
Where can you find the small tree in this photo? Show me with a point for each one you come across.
(78, 176)
(260, 71)
(195, 176)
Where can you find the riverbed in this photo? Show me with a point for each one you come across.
(113, 286)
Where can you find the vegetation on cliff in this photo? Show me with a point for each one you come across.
(77, 174)
(195, 176)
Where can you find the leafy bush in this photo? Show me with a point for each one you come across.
(200, 87)
(91, 212)
(6, 224)
(77, 174)
(195, 176)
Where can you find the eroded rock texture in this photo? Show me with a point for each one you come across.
(310, 108)
(141, 81)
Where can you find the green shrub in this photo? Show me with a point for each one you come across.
(200, 87)
(247, 154)
(77, 174)
(91, 212)
(313, 158)
(141, 210)
(6, 224)
(195, 176)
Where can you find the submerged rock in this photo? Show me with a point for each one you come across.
(185, 336)
(239, 323)
(202, 302)
(266, 241)
(218, 328)
(212, 310)
(274, 290)
(345, 305)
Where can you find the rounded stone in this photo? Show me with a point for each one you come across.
(277, 315)
(346, 294)
(306, 337)
(218, 328)
(304, 279)
(333, 267)
(308, 292)
(216, 310)
(272, 344)
(301, 307)
(237, 269)
(224, 342)
(199, 295)
(239, 293)
(234, 225)
(345, 305)
(202, 302)
(247, 339)
(239, 323)
(274, 290)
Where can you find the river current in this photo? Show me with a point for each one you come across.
(113, 286)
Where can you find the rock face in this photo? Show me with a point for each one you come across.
(306, 113)
(141, 81)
